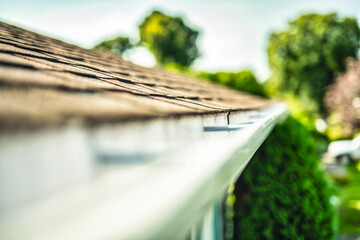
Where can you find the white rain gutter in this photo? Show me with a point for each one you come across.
(152, 180)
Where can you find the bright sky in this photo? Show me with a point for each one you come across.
(233, 36)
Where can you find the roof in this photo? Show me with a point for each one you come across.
(47, 82)
(58, 183)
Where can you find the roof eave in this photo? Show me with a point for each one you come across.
(162, 191)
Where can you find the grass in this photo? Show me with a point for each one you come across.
(349, 209)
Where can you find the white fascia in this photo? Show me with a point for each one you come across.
(141, 180)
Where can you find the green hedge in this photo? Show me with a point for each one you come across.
(243, 81)
(282, 194)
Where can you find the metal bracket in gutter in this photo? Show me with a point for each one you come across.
(191, 165)
(227, 127)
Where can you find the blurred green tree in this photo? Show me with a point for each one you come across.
(118, 44)
(305, 56)
(243, 81)
(169, 39)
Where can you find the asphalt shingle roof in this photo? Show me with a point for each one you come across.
(45, 82)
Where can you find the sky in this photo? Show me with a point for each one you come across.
(233, 33)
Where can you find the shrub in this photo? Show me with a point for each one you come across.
(283, 194)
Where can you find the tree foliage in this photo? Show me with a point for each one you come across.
(305, 56)
(342, 98)
(169, 39)
(282, 194)
(243, 81)
(118, 44)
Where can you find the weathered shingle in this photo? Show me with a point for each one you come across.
(45, 81)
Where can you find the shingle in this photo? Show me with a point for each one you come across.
(43, 107)
(49, 79)
(47, 82)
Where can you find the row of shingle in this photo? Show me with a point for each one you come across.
(46, 80)
(172, 89)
